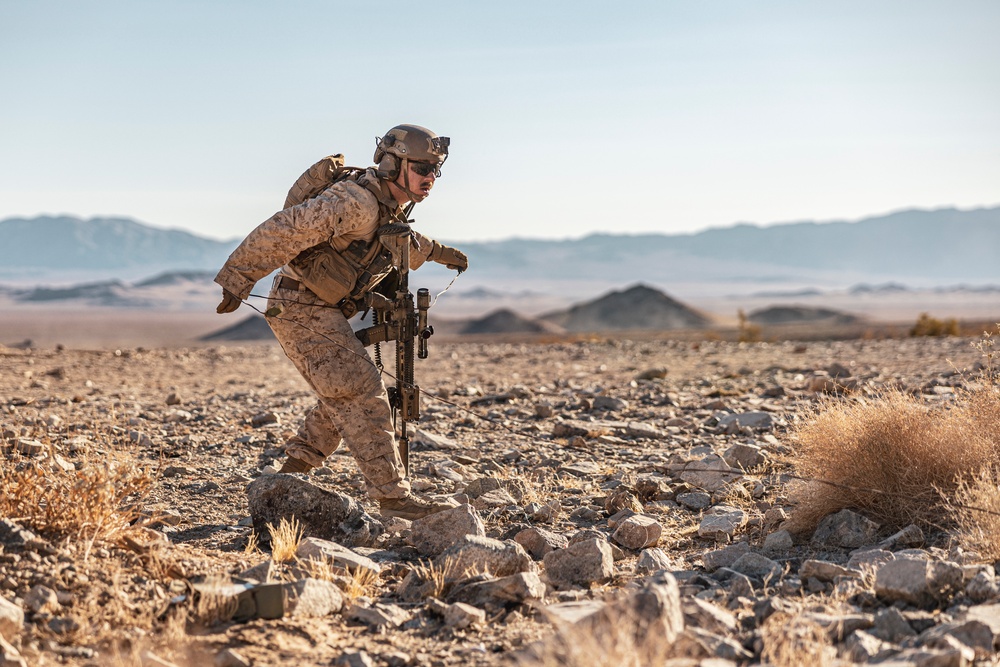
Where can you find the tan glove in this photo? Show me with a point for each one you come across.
(230, 302)
(450, 257)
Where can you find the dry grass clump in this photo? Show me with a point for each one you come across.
(892, 458)
(93, 499)
(793, 641)
(285, 539)
(975, 509)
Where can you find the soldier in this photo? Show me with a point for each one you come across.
(322, 245)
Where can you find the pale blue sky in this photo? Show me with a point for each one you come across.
(565, 118)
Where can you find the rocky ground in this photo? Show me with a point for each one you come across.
(620, 502)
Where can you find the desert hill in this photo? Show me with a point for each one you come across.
(800, 315)
(638, 307)
(252, 327)
(505, 320)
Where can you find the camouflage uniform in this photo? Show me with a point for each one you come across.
(353, 403)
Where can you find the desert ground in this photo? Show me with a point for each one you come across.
(592, 474)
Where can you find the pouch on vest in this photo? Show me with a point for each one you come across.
(327, 273)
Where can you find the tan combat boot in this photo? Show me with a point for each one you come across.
(295, 465)
(412, 507)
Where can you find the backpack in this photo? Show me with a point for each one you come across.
(317, 178)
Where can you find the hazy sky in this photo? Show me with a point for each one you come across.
(566, 118)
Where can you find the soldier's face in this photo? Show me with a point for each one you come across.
(419, 184)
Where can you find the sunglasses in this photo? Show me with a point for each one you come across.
(426, 168)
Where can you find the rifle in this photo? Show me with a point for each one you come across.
(398, 319)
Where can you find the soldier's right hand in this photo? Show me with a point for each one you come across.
(452, 258)
(230, 302)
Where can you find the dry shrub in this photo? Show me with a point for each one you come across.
(931, 326)
(891, 458)
(95, 500)
(792, 641)
(975, 509)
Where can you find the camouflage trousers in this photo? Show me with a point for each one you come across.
(353, 404)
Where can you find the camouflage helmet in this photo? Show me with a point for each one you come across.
(412, 142)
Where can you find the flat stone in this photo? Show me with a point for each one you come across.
(500, 593)
(460, 616)
(724, 557)
(312, 597)
(378, 615)
(335, 555)
(721, 522)
(695, 500)
(709, 474)
(756, 420)
(825, 571)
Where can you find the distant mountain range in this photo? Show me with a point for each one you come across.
(917, 247)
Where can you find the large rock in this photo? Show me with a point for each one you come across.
(582, 564)
(477, 554)
(433, 534)
(495, 594)
(917, 581)
(327, 515)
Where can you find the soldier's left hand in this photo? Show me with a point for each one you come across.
(229, 303)
(450, 257)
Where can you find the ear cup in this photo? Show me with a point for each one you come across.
(388, 167)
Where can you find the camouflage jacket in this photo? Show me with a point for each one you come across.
(344, 212)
